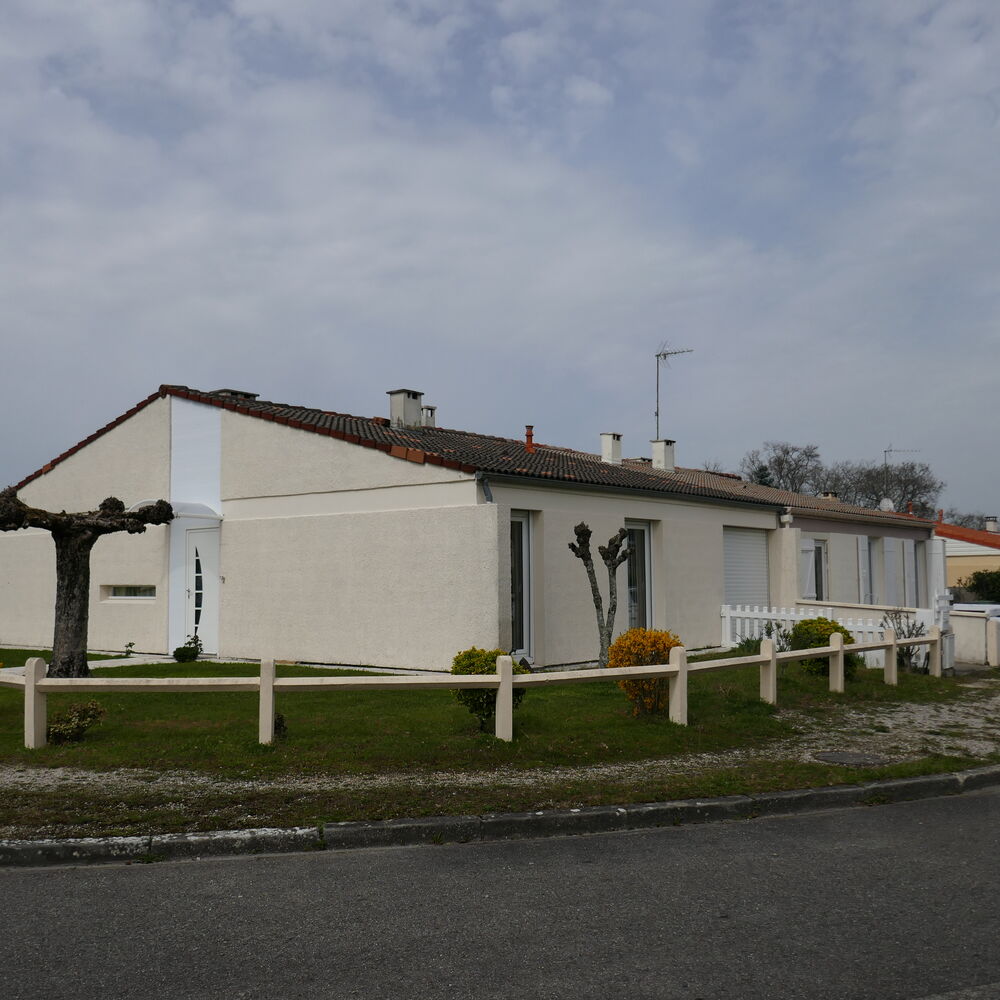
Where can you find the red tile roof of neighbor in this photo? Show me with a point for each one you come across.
(991, 539)
(469, 452)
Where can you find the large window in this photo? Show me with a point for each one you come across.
(520, 582)
(637, 564)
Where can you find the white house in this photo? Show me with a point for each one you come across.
(318, 536)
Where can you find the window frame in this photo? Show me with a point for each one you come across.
(647, 563)
(522, 517)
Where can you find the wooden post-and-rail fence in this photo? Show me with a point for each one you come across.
(37, 687)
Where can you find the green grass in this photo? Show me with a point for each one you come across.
(18, 657)
(342, 733)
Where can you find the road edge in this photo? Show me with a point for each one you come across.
(352, 835)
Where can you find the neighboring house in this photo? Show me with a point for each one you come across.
(968, 550)
(318, 536)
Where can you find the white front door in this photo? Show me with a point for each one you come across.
(201, 615)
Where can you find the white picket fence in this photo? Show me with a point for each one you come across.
(742, 622)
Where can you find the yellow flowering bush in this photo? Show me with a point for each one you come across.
(641, 647)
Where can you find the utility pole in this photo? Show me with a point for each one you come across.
(663, 354)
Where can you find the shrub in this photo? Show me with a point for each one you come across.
(812, 632)
(909, 659)
(482, 702)
(69, 726)
(190, 651)
(640, 647)
(984, 583)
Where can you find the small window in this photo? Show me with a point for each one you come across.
(118, 591)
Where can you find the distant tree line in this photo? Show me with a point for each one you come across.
(799, 468)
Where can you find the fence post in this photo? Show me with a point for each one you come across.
(505, 699)
(836, 662)
(677, 692)
(35, 715)
(265, 723)
(934, 651)
(891, 672)
(769, 672)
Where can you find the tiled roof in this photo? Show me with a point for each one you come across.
(800, 503)
(991, 539)
(469, 452)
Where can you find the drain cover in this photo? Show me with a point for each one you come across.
(849, 759)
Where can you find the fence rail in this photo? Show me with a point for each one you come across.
(37, 686)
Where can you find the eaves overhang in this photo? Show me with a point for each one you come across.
(563, 484)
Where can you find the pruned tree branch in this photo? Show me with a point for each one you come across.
(74, 536)
(613, 555)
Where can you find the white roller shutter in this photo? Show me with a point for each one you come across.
(890, 557)
(864, 576)
(745, 553)
(807, 568)
(909, 573)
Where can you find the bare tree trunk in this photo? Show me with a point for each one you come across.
(69, 640)
(74, 536)
(613, 558)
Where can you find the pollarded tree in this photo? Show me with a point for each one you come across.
(74, 536)
(613, 555)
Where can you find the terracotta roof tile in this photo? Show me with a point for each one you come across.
(991, 539)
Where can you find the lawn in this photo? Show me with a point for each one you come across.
(384, 741)
(17, 657)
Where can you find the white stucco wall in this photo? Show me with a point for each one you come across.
(686, 563)
(392, 588)
(131, 462)
(262, 459)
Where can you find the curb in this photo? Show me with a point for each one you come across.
(352, 835)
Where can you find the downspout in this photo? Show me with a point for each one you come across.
(487, 492)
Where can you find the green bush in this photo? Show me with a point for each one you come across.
(482, 702)
(69, 726)
(642, 647)
(814, 632)
(190, 651)
(984, 583)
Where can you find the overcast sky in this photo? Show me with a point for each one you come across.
(511, 205)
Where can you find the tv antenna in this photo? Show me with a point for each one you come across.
(664, 354)
(886, 453)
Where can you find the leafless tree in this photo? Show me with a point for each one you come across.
(788, 466)
(965, 519)
(865, 484)
(613, 554)
(74, 536)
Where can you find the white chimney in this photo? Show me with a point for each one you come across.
(663, 454)
(991, 523)
(405, 407)
(611, 448)
(428, 416)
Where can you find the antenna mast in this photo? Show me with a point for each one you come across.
(664, 354)
(886, 452)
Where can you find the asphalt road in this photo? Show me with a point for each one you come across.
(886, 902)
